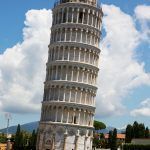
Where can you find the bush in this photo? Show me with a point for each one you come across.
(136, 147)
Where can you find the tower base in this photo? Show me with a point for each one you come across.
(57, 136)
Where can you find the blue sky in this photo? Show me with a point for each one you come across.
(133, 100)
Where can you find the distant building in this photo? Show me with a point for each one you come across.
(120, 137)
(3, 146)
(141, 141)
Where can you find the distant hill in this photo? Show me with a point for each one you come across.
(34, 125)
(110, 129)
(27, 127)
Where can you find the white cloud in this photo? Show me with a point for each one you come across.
(120, 72)
(146, 103)
(142, 13)
(22, 66)
(143, 110)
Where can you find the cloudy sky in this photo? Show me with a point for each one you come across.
(124, 77)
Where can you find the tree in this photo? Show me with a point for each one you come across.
(25, 140)
(18, 138)
(114, 140)
(3, 138)
(96, 142)
(102, 136)
(141, 130)
(128, 133)
(33, 140)
(110, 139)
(147, 133)
(135, 130)
(99, 125)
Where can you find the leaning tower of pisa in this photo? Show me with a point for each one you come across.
(68, 105)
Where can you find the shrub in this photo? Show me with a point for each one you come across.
(135, 147)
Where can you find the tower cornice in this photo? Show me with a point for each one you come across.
(69, 104)
(70, 83)
(72, 43)
(73, 64)
(79, 5)
(75, 44)
(77, 26)
(66, 125)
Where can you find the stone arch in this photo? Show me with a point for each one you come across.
(61, 94)
(59, 114)
(65, 114)
(78, 95)
(64, 15)
(76, 117)
(73, 93)
(81, 116)
(66, 51)
(70, 115)
(54, 113)
(73, 37)
(60, 130)
(71, 131)
(75, 14)
(74, 73)
(48, 112)
(71, 53)
(64, 72)
(82, 132)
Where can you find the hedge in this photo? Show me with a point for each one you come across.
(136, 147)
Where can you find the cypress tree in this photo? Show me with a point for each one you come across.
(21, 143)
(135, 130)
(141, 130)
(147, 133)
(114, 140)
(17, 138)
(33, 140)
(128, 133)
(110, 139)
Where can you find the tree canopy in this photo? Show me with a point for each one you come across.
(112, 141)
(99, 125)
(24, 140)
(137, 130)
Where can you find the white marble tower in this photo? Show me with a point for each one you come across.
(68, 105)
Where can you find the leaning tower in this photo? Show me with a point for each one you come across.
(68, 105)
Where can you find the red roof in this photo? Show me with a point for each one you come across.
(119, 136)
